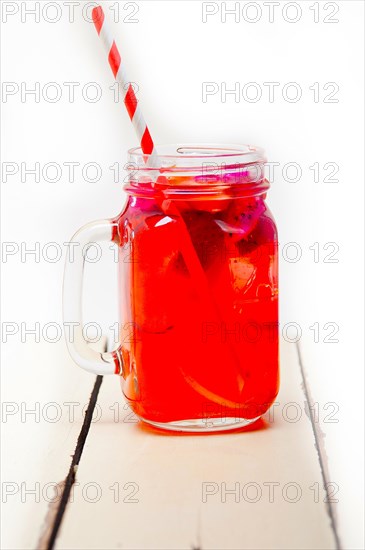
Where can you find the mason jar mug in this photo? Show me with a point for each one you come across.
(198, 289)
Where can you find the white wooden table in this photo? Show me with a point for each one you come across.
(137, 488)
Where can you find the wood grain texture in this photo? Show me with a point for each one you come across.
(43, 409)
(140, 488)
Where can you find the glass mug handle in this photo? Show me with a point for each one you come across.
(78, 347)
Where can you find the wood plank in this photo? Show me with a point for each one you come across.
(142, 489)
(37, 447)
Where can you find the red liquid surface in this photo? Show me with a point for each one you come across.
(200, 316)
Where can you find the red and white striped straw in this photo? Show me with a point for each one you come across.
(152, 161)
(130, 100)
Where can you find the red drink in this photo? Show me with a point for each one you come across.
(200, 300)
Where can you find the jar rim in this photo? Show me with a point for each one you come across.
(192, 156)
(197, 171)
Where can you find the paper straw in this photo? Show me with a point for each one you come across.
(147, 145)
(130, 100)
(148, 148)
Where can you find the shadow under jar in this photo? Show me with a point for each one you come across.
(198, 274)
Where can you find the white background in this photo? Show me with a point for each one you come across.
(170, 53)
